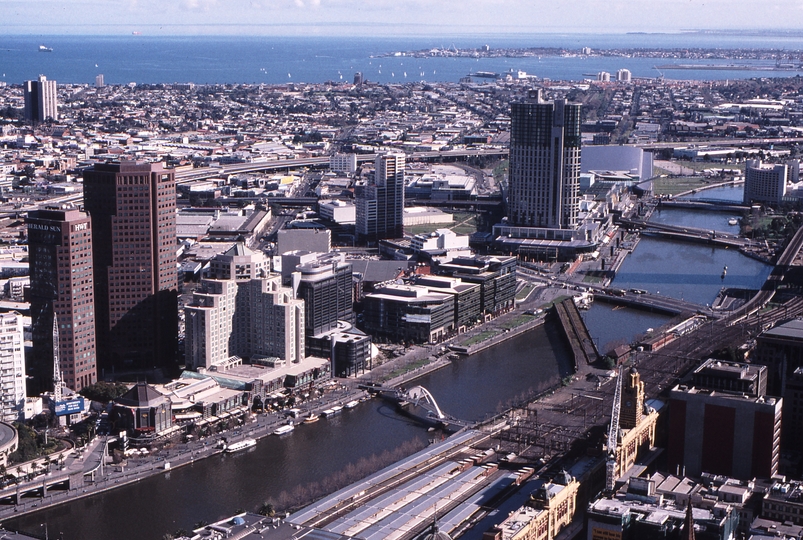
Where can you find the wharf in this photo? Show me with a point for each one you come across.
(75, 483)
(506, 334)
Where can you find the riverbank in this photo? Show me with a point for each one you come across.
(111, 476)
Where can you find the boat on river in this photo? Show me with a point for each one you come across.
(332, 412)
(44, 48)
(352, 404)
(733, 221)
(284, 430)
(240, 445)
(312, 417)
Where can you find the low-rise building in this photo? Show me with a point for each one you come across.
(551, 509)
(408, 313)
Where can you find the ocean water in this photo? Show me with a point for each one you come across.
(147, 59)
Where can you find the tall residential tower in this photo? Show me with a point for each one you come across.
(544, 163)
(40, 100)
(133, 210)
(380, 203)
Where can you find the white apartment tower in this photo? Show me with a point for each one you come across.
(764, 183)
(242, 311)
(40, 100)
(12, 367)
(623, 75)
(344, 163)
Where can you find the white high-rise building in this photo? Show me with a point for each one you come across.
(623, 75)
(764, 183)
(12, 367)
(346, 163)
(99, 81)
(380, 203)
(604, 76)
(40, 100)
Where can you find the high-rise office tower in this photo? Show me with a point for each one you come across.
(99, 81)
(62, 286)
(133, 210)
(544, 163)
(40, 100)
(12, 367)
(380, 202)
(325, 284)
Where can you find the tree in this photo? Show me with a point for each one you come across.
(266, 509)
(103, 391)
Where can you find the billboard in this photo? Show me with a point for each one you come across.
(70, 406)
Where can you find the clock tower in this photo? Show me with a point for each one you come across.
(632, 407)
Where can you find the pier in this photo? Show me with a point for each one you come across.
(574, 328)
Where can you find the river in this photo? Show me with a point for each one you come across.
(688, 271)
(471, 388)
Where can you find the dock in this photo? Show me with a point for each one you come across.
(576, 332)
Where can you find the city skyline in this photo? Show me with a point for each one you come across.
(340, 17)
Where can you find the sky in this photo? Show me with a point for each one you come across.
(390, 17)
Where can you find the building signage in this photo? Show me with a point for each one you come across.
(70, 406)
(43, 227)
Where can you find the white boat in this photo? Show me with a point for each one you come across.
(312, 417)
(331, 412)
(733, 221)
(43, 48)
(284, 430)
(352, 404)
(240, 445)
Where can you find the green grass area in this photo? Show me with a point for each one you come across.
(406, 369)
(482, 336)
(673, 186)
(594, 278)
(500, 171)
(517, 321)
(525, 292)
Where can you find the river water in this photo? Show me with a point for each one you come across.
(688, 271)
(715, 221)
(730, 192)
(611, 326)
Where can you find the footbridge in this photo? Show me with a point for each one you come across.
(417, 397)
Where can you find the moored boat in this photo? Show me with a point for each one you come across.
(312, 417)
(240, 445)
(283, 430)
(352, 404)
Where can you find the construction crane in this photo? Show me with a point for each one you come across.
(613, 435)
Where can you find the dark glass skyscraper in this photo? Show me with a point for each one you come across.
(60, 254)
(544, 163)
(133, 210)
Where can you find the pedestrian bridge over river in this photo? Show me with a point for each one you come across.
(407, 400)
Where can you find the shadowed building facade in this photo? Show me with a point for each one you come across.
(62, 285)
(132, 206)
(544, 163)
